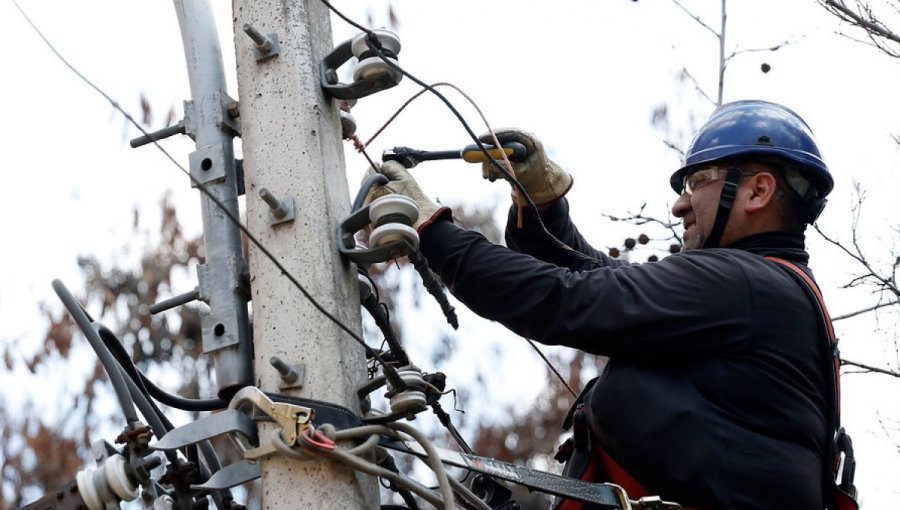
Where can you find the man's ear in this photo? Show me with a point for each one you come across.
(760, 191)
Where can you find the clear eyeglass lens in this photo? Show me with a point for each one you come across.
(699, 178)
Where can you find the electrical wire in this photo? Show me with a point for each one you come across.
(199, 185)
(386, 460)
(164, 397)
(467, 495)
(434, 459)
(136, 381)
(116, 371)
(552, 368)
(365, 466)
(447, 498)
(507, 170)
(109, 363)
(127, 390)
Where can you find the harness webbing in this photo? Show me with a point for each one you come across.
(841, 496)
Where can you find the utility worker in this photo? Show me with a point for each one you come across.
(720, 387)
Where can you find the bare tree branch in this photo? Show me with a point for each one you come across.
(687, 74)
(887, 432)
(671, 145)
(863, 17)
(864, 310)
(776, 47)
(884, 283)
(695, 17)
(868, 368)
(722, 63)
(639, 219)
(870, 23)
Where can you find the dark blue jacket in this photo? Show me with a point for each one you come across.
(716, 393)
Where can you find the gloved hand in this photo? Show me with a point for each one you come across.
(543, 180)
(403, 183)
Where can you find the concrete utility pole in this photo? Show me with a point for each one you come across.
(293, 149)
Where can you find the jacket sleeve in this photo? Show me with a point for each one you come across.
(531, 239)
(684, 305)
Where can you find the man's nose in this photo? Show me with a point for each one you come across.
(682, 206)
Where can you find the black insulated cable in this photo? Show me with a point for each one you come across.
(164, 397)
(127, 391)
(138, 385)
(109, 363)
(203, 189)
(368, 298)
(375, 47)
(373, 44)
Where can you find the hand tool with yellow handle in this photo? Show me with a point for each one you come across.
(515, 151)
(471, 154)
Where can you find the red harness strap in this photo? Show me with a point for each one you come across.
(602, 466)
(831, 336)
(620, 477)
(844, 494)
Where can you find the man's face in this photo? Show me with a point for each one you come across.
(698, 208)
(699, 203)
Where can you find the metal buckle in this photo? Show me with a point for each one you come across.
(291, 418)
(654, 503)
(645, 503)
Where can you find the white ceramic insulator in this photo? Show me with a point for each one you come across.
(391, 232)
(163, 503)
(410, 399)
(88, 491)
(107, 483)
(118, 480)
(393, 204)
(387, 38)
(373, 67)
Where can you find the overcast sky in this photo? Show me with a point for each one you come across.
(585, 76)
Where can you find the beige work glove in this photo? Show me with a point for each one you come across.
(403, 183)
(543, 180)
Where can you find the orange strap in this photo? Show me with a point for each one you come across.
(829, 326)
(602, 466)
(620, 477)
(841, 498)
(591, 474)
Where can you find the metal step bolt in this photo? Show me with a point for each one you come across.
(266, 45)
(281, 210)
(291, 376)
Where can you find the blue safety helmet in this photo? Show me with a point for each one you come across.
(761, 131)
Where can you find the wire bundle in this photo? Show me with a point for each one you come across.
(134, 389)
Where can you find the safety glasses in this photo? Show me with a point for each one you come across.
(705, 175)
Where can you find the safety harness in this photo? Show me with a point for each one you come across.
(840, 464)
(587, 460)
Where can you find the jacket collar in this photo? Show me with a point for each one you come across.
(783, 245)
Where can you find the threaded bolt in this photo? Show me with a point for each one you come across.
(288, 373)
(263, 42)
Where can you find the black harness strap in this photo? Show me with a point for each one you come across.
(326, 412)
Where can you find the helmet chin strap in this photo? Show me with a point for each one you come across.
(726, 201)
